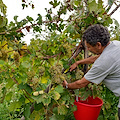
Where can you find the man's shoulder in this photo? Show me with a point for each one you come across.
(116, 42)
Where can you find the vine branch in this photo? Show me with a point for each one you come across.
(114, 9)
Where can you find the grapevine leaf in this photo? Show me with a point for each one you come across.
(3, 21)
(15, 18)
(22, 99)
(28, 100)
(10, 83)
(62, 110)
(76, 92)
(26, 87)
(57, 117)
(110, 2)
(93, 6)
(29, 18)
(2, 62)
(59, 89)
(46, 100)
(8, 96)
(55, 110)
(26, 64)
(3, 7)
(56, 95)
(38, 106)
(14, 105)
(55, 4)
(37, 117)
(116, 23)
(39, 19)
(27, 111)
(37, 99)
(74, 108)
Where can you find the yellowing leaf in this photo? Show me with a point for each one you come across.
(56, 95)
(44, 79)
(76, 36)
(3, 43)
(37, 117)
(62, 110)
(28, 100)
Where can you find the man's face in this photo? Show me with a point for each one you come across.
(94, 49)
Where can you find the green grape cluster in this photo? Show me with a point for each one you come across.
(3, 55)
(54, 71)
(35, 83)
(56, 74)
(59, 66)
(41, 70)
(67, 50)
(30, 75)
(17, 58)
(68, 78)
(79, 74)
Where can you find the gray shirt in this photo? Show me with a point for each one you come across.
(107, 69)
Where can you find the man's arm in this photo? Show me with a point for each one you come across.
(89, 60)
(77, 84)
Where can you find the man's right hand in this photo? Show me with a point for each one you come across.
(73, 66)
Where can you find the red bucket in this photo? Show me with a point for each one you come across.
(88, 109)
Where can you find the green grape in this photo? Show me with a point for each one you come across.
(4, 55)
(67, 77)
(62, 78)
(79, 74)
(17, 58)
(67, 50)
(30, 75)
(35, 83)
(59, 66)
(41, 70)
(56, 74)
(56, 79)
(54, 70)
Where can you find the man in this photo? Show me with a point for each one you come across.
(106, 67)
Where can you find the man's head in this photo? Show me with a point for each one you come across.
(96, 38)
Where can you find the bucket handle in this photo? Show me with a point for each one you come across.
(77, 97)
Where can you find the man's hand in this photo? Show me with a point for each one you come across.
(89, 60)
(73, 66)
(64, 83)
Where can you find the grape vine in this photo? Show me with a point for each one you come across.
(31, 75)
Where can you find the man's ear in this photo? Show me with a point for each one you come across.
(99, 45)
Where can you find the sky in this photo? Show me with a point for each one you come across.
(14, 7)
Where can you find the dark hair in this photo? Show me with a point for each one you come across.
(96, 33)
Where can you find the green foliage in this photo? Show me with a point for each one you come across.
(3, 7)
(31, 76)
(4, 113)
(109, 109)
